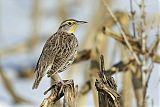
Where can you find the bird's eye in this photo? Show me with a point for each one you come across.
(69, 23)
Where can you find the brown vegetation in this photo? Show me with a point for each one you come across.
(136, 63)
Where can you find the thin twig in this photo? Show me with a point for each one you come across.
(122, 32)
(144, 61)
(136, 45)
(147, 82)
(133, 21)
(9, 87)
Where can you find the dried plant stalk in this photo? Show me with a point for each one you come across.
(107, 89)
(70, 95)
(17, 99)
(58, 91)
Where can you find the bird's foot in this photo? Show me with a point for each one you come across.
(49, 74)
(52, 87)
(62, 84)
(58, 86)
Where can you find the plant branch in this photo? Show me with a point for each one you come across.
(122, 32)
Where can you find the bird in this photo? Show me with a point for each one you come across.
(58, 52)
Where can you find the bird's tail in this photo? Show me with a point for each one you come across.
(36, 83)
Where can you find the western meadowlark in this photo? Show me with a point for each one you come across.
(58, 52)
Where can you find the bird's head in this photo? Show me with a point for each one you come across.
(70, 25)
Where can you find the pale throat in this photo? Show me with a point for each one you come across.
(72, 29)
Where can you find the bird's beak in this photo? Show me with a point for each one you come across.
(81, 22)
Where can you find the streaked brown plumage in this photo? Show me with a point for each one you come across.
(59, 51)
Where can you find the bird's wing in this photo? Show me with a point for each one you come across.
(46, 58)
(48, 54)
(66, 48)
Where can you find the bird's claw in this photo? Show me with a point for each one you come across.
(59, 84)
(62, 87)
